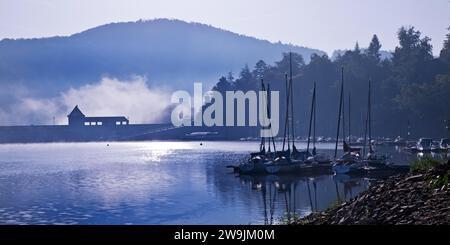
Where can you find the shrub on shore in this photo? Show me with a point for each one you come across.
(441, 173)
(424, 164)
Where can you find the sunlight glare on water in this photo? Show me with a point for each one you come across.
(152, 183)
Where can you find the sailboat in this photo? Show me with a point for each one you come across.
(288, 160)
(348, 146)
(372, 159)
(289, 133)
(272, 161)
(257, 161)
(295, 154)
(314, 157)
(372, 163)
(352, 158)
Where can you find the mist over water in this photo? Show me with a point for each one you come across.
(155, 183)
(134, 98)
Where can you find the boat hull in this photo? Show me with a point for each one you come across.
(341, 169)
(370, 171)
(284, 168)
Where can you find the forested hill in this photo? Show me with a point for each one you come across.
(172, 52)
(412, 86)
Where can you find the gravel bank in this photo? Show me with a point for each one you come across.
(415, 198)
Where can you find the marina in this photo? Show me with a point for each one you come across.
(290, 160)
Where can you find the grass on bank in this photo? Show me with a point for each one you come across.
(424, 164)
(441, 180)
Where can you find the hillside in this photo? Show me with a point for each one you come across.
(169, 52)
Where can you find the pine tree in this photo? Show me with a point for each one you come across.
(357, 50)
(260, 68)
(374, 48)
(445, 52)
(230, 77)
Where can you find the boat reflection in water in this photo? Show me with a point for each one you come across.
(287, 197)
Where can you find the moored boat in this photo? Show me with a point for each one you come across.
(289, 159)
(423, 145)
(352, 161)
(443, 146)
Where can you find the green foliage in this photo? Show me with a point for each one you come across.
(297, 63)
(439, 178)
(444, 55)
(412, 86)
(260, 69)
(357, 49)
(373, 51)
(412, 58)
(424, 164)
(428, 100)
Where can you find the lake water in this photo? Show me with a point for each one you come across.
(156, 183)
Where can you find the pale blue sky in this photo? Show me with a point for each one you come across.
(322, 24)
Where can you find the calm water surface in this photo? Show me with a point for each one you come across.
(155, 183)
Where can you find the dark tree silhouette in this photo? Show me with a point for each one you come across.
(373, 51)
(413, 86)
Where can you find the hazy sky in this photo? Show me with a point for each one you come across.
(322, 24)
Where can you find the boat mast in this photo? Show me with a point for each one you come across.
(370, 119)
(311, 116)
(314, 122)
(366, 125)
(269, 116)
(343, 118)
(286, 125)
(291, 85)
(349, 120)
(340, 112)
(262, 145)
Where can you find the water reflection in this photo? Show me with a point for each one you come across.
(158, 183)
(288, 197)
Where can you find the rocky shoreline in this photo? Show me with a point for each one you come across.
(419, 197)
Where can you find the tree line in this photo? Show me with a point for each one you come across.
(411, 90)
